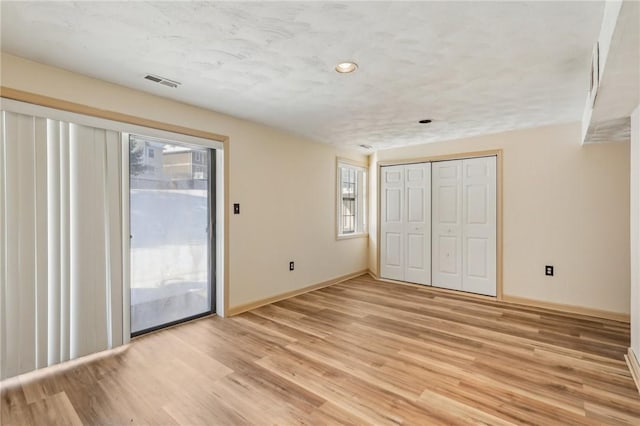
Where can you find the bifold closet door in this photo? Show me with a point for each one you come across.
(464, 225)
(405, 223)
(479, 225)
(446, 209)
(417, 230)
(392, 222)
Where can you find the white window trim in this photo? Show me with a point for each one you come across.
(361, 200)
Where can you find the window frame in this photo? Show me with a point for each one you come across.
(361, 226)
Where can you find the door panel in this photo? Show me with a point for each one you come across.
(415, 173)
(394, 205)
(448, 261)
(476, 256)
(394, 174)
(418, 223)
(393, 249)
(479, 213)
(476, 201)
(391, 222)
(415, 201)
(448, 204)
(446, 224)
(448, 170)
(415, 252)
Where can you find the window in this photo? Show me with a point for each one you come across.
(351, 202)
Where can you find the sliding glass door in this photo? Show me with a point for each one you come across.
(171, 205)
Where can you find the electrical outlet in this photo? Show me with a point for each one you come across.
(291, 266)
(548, 270)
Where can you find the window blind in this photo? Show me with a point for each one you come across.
(60, 242)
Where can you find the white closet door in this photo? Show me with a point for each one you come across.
(418, 223)
(479, 225)
(391, 222)
(446, 250)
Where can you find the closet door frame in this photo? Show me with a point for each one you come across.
(453, 156)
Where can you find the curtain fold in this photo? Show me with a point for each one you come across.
(60, 242)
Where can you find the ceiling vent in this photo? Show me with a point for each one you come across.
(365, 146)
(162, 80)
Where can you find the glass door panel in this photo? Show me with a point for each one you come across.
(170, 244)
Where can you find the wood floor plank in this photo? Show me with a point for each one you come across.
(435, 401)
(55, 410)
(330, 414)
(358, 352)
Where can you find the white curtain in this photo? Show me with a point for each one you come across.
(60, 242)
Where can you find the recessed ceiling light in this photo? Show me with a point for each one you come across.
(426, 121)
(346, 67)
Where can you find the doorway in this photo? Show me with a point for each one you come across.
(172, 211)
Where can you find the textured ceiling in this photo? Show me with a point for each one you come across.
(472, 67)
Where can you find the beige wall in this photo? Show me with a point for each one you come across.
(635, 231)
(564, 204)
(285, 184)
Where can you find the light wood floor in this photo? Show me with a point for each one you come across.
(357, 352)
